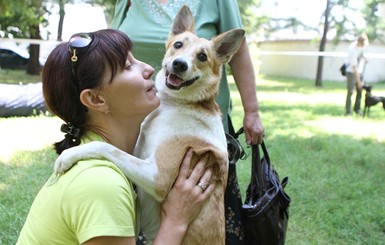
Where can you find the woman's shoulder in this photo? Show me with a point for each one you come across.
(97, 171)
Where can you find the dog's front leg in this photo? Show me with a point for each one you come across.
(141, 172)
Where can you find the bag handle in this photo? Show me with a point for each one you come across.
(257, 183)
(257, 178)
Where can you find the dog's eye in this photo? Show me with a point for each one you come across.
(202, 57)
(178, 45)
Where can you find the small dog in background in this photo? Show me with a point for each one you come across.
(371, 100)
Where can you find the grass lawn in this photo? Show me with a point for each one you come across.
(335, 164)
(17, 77)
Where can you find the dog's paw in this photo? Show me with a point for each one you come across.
(64, 162)
(74, 154)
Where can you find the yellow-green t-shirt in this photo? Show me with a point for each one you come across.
(92, 199)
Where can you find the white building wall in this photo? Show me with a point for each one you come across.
(298, 58)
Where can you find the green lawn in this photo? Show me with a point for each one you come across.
(17, 77)
(335, 164)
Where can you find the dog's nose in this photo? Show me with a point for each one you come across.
(179, 65)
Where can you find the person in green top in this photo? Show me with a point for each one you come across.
(103, 93)
(148, 24)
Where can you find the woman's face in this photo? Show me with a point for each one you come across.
(132, 91)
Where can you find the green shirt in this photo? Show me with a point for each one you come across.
(148, 24)
(92, 199)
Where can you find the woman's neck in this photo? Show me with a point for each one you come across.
(121, 135)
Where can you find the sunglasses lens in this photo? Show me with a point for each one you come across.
(78, 43)
(80, 40)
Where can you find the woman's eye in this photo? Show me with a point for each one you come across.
(178, 45)
(128, 66)
(202, 57)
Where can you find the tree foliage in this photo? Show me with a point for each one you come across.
(22, 18)
(18, 18)
(375, 28)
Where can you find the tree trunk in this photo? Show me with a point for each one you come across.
(61, 20)
(318, 81)
(34, 67)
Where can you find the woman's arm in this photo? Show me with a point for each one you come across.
(184, 201)
(244, 76)
(182, 205)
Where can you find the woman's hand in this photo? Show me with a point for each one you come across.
(254, 131)
(185, 200)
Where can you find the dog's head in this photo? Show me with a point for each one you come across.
(191, 68)
(368, 88)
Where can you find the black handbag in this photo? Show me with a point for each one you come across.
(343, 69)
(266, 208)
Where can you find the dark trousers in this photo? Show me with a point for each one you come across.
(351, 87)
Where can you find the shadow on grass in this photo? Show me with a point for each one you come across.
(336, 187)
(304, 86)
(20, 180)
(285, 112)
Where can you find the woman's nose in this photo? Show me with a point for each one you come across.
(148, 71)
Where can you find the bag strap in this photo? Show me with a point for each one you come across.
(257, 178)
(256, 175)
(231, 126)
(257, 183)
(234, 148)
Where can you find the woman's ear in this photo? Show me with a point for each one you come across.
(93, 101)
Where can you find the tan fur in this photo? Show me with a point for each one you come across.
(171, 165)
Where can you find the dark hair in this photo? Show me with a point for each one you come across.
(108, 50)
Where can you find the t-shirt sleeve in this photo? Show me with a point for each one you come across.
(121, 8)
(229, 15)
(106, 204)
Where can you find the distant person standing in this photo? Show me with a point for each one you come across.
(354, 73)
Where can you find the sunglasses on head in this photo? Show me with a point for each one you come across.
(77, 44)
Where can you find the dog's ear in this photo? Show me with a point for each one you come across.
(227, 44)
(184, 21)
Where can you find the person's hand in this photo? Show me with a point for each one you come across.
(186, 199)
(252, 125)
(359, 86)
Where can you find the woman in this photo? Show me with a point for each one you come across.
(102, 93)
(354, 73)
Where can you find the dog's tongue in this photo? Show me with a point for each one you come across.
(174, 80)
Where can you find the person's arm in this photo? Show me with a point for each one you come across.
(182, 205)
(244, 76)
(357, 75)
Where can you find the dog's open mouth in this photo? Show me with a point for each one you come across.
(175, 83)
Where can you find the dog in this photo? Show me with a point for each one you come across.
(371, 100)
(188, 117)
